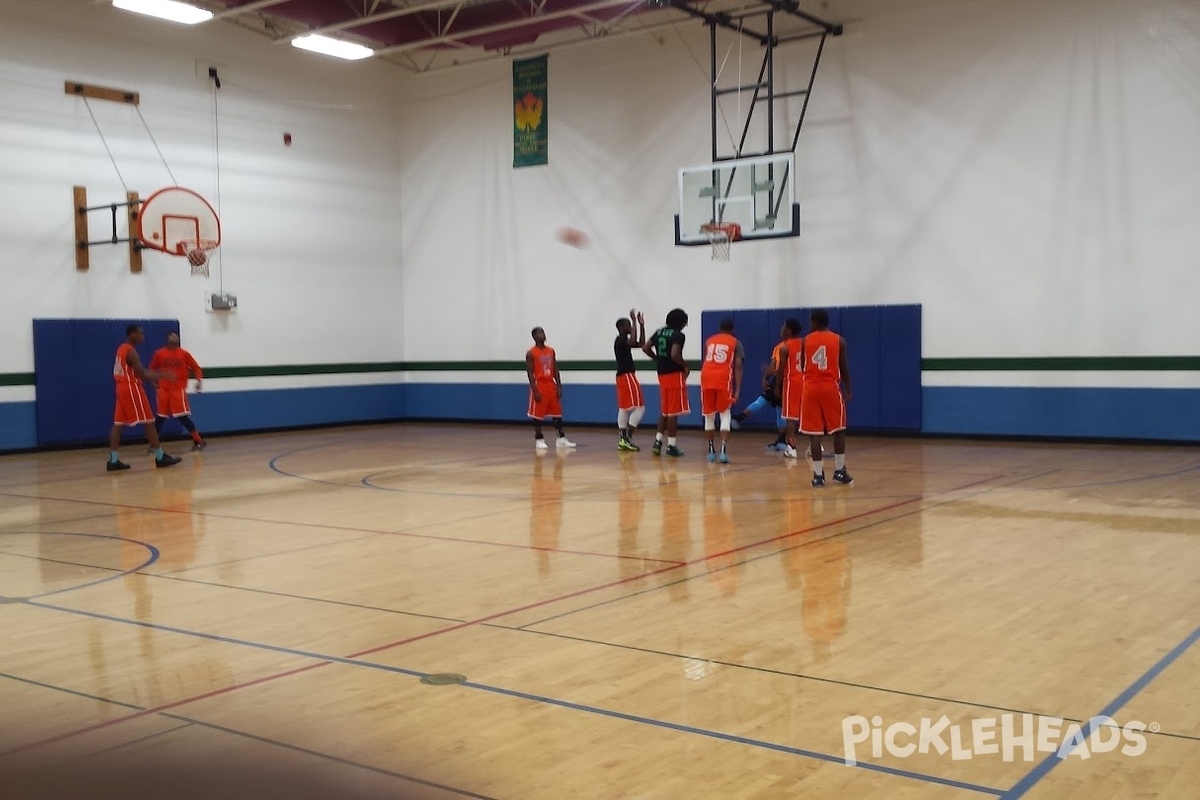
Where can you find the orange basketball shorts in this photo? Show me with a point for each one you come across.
(133, 406)
(629, 392)
(549, 406)
(823, 409)
(172, 402)
(672, 394)
(793, 398)
(715, 399)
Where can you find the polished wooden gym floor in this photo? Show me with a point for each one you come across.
(439, 609)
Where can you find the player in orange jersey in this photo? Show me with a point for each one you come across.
(132, 406)
(826, 390)
(720, 379)
(630, 403)
(545, 390)
(176, 365)
(789, 377)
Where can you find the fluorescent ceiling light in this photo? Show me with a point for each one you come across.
(166, 9)
(332, 47)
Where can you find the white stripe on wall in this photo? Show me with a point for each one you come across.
(1099, 379)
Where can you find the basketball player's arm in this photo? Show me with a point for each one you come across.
(135, 366)
(641, 330)
(780, 366)
(677, 357)
(844, 369)
(557, 379)
(738, 359)
(195, 368)
(529, 373)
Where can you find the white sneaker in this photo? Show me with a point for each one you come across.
(540, 444)
(564, 442)
(790, 452)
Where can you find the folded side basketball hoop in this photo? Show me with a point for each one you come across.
(179, 222)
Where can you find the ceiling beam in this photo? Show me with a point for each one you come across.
(504, 26)
(249, 8)
(415, 8)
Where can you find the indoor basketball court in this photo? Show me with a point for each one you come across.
(368, 579)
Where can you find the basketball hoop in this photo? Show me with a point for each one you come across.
(197, 251)
(721, 236)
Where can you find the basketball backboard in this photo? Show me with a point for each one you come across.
(177, 221)
(756, 193)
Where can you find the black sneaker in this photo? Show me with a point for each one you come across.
(116, 466)
(841, 476)
(167, 460)
(818, 481)
(198, 446)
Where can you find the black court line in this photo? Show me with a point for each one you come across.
(333, 758)
(321, 660)
(200, 723)
(133, 742)
(232, 587)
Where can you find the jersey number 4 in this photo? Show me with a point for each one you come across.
(820, 358)
(717, 353)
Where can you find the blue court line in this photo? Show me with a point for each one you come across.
(737, 739)
(1043, 769)
(149, 547)
(535, 698)
(265, 740)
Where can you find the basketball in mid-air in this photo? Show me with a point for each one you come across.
(572, 236)
(197, 257)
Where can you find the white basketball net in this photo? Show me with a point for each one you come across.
(719, 239)
(205, 247)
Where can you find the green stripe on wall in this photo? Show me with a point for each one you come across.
(1050, 364)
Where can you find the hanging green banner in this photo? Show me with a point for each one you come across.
(529, 112)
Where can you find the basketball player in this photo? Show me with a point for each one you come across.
(666, 348)
(789, 376)
(720, 378)
(545, 390)
(771, 395)
(175, 365)
(630, 404)
(826, 381)
(132, 405)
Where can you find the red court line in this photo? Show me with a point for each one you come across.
(480, 620)
(159, 709)
(404, 533)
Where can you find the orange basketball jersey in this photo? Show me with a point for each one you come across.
(122, 372)
(791, 370)
(543, 363)
(717, 370)
(176, 363)
(822, 357)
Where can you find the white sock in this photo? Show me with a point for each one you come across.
(726, 420)
(658, 437)
(818, 468)
(635, 416)
(670, 441)
(623, 419)
(839, 460)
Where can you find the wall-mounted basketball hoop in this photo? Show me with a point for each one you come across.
(180, 222)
